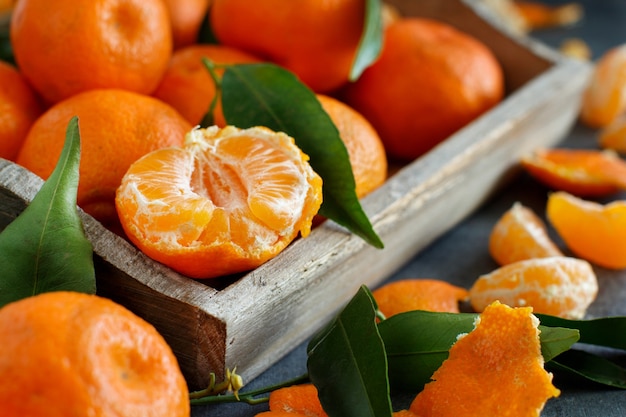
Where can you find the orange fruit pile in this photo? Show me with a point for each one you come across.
(68, 353)
(495, 370)
(225, 202)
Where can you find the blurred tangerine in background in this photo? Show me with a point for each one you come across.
(186, 17)
(419, 294)
(430, 80)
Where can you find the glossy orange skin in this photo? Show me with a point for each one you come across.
(117, 127)
(317, 40)
(186, 17)
(429, 81)
(187, 85)
(77, 46)
(73, 354)
(19, 108)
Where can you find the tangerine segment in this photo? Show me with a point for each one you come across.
(520, 234)
(225, 202)
(419, 294)
(560, 286)
(495, 370)
(592, 231)
(583, 172)
(605, 96)
(613, 136)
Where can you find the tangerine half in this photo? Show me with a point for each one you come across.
(225, 202)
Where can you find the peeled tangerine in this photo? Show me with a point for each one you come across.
(518, 235)
(225, 202)
(495, 370)
(592, 231)
(559, 286)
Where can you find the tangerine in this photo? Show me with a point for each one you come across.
(419, 294)
(559, 285)
(592, 231)
(583, 172)
(604, 98)
(187, 85)
(69, 353)
(186, 17)
(520, 234)
(495, 370)
(19, 108)
(78, 46)
(315, 40)
(116, 127)
(225, 202)
(364, 146)
(430, 80)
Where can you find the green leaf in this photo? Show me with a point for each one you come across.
(44, 248)
(591, 367)
(417, 343)
(268, 95)
(371, 41)
(347, 364)
(556, 340)
(606, 331)
(6, 50)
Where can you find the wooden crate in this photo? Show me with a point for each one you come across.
(252, 321)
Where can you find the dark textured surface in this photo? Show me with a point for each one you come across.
(461, 255)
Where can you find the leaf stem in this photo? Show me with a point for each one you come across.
(209, 117)
(247, 397)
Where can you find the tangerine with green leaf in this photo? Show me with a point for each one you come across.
(317, 40)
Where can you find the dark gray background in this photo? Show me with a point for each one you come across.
(461, 255)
